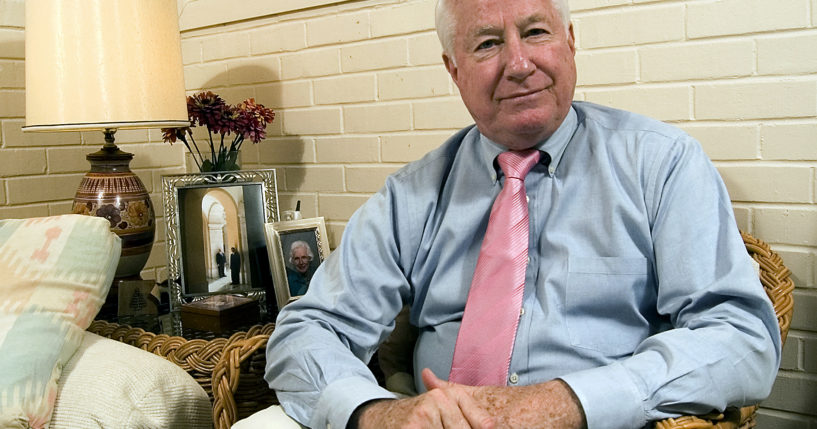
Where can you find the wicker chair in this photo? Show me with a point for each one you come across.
(231, 370)
(775, 279)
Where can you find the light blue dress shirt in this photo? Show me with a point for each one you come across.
(639, 294)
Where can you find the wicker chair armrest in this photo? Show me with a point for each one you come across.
(732, 418)
(226, 377)
(136, 337)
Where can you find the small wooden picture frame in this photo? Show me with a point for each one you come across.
(296, 249)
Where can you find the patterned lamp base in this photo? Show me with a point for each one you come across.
(110, 190)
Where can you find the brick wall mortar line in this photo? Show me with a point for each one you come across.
(754, 34)
(703, 41)
(802, 375)
(286, 17)
(809, 207)
(780, 34)
(808, 335)
(786, 414)
(609, 10)
(377, 103)
(726, 81)
(802, 120)
(286, 137)
(371, 41)
(774, 163)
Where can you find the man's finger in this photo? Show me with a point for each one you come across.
(477, 417)
(431, 381)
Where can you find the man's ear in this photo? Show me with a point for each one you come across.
(571, 39)
(451, 66)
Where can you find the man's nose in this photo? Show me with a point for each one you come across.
(518, 64)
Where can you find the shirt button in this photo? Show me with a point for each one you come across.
(528, 260)
(522, 311)
(513, 378)
(527, 199)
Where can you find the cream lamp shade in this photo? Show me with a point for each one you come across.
(107, 65)
(103, 64)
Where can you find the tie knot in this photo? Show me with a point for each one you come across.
(517, 164)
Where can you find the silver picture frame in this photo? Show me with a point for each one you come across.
(220, 210)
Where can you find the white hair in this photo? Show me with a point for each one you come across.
(297, 244)
(445, 23)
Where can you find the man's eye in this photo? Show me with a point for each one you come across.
(536, 32)
(487, 44)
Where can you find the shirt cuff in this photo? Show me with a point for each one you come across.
(340, 398)
(609, 397)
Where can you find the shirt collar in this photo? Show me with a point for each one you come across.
(554, 146)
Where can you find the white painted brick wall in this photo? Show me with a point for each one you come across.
(359, 90)
(727, 17)
(353, 88)
(660, 22)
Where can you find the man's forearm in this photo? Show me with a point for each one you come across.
(546, 405)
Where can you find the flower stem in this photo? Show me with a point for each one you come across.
(184, 140)
(212, 149)
(237, 142)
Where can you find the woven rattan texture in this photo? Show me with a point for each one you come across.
(778, 285)
(231, 370)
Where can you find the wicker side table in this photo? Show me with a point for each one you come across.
(231, 370)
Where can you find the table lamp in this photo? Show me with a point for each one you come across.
(107, 65)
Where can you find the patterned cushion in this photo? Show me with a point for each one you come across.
(56, 273)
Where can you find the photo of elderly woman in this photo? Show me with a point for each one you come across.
(300, 259)
(299, 267)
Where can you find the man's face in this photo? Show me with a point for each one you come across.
(514, 66)
(300, 258)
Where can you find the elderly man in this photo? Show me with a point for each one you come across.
(626, 294)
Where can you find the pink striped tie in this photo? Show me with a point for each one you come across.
(482, 354)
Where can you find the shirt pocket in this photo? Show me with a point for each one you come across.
(605, 301)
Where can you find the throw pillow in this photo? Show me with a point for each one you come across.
(108, 384)
(56, 273)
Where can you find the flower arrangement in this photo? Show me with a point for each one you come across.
(246, 120)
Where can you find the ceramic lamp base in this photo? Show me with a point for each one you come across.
(110, 190)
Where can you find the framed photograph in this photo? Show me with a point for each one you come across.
(297, 248)
(215, 233)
